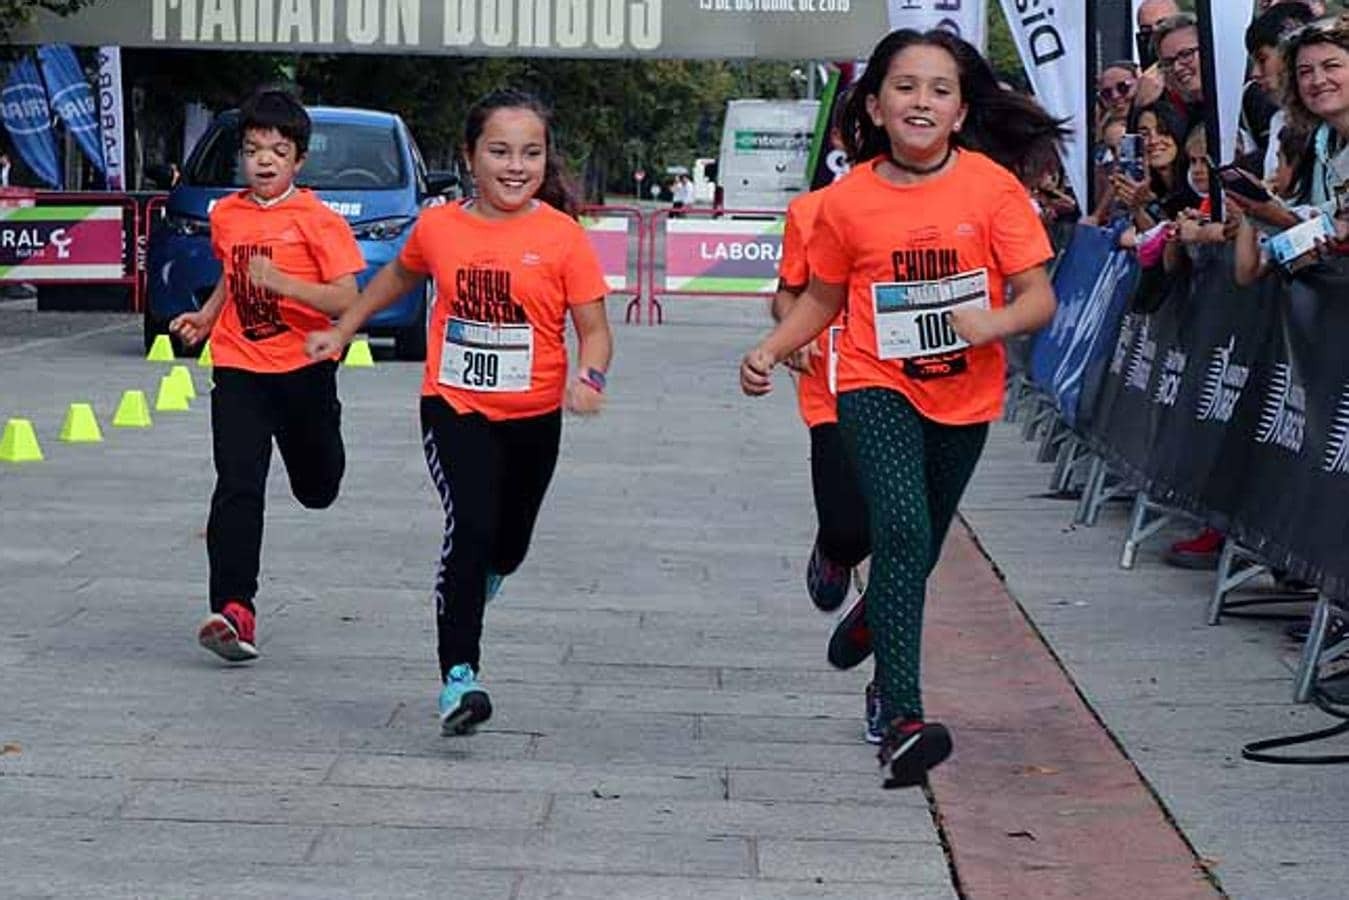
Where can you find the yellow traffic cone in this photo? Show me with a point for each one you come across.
(183, 375)
(171, 397)
(358, 355)
(19, 443)
(133, 411)
(161, 350)
(204, 360)
(81, 426)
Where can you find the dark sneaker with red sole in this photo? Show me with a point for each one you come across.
(911, 749)
(850, 644)
(827, 582)
(229, 634)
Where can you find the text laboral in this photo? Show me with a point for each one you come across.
(561, 24)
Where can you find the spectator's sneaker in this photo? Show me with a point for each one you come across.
(493, 586)
(910, 749)
(464, 703)
(1199, 552)
(850, 643)
(1337, 629)
(826, 581)
(230, 633)
(875, 727)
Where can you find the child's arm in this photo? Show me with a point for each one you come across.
(390, 283)
(332, 298)
(812, 312)
(596, 349)
(193, 328)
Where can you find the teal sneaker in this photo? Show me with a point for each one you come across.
(464, 703)
(493, 585)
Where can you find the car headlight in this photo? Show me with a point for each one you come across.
(381, 229)
(187, 226)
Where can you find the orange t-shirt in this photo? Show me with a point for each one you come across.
(870, 231)
(260, 330)
(497, 337)
(817, 403)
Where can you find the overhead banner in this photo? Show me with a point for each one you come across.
(112, 117)
(785, 29)
(70, 96)
(28, 119)
(1052, 42)
(966, 18)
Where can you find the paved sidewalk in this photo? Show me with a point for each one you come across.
(666, 724)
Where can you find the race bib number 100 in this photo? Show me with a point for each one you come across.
(478, 356)
(913, 319)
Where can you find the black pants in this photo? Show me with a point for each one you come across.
(301, 412)
(844, 536)
(491, 477)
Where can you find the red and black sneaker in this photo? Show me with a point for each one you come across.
(910, 749)
(229, 633)
(850, 643)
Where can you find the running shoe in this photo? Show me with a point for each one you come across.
(464, 703)
(493, 586)
(230, 633)
(850, 643)
(910, 749)
(826, 581)
(1199, 552)
(875, 725)
(1337, 629)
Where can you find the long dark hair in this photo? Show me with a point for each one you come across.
(557, 189)
(1170, 123)
(1011, 128)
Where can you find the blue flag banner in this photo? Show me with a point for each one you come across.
(23, 106)
(73, 99)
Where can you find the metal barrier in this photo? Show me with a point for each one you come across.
(734, 255)
(613, 244)
(150, 217)
(67, 238)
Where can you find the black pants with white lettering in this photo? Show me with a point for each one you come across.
(301, 412)
(843, 536)
(491, 477)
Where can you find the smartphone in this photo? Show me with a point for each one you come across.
(1131, 156)
(1292, 248)
(1242, 183)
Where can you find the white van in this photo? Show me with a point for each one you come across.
(765, 145)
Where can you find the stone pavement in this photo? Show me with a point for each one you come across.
(666, 725)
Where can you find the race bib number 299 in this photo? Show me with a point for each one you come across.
(913, 319)
(478, 356)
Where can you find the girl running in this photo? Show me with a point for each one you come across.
(922, 243)
(508, 268)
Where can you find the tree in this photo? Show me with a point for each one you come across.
(14, 14)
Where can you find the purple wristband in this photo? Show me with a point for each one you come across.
(594, 379)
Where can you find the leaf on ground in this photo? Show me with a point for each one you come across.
(10, 749)
(601, 795)
(1039, 770)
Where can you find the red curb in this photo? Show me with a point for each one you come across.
(1037, 801)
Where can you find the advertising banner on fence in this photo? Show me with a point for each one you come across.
(609, 235)
(722, 256)
(72, 99)
(28, 119)
(61, 243)
(785, 29)
(111, 116)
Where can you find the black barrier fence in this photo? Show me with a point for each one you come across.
(1229, 403)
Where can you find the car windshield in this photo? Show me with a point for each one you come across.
(343, 156)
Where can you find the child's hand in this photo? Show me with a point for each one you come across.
(324, 344)
(192, 328)
(977, 326)
(756, 372)
(583, 399)
(265, 274)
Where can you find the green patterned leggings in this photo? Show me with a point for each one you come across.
(912, 472)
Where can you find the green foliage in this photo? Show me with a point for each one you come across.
(16, 13)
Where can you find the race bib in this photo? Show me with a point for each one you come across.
(913, 319)
(478, 356)
(835, 335)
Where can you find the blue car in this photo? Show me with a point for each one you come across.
(363, 164)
